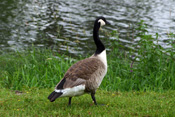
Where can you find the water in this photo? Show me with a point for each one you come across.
(66, 25)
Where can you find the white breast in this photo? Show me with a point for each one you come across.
(102, 57)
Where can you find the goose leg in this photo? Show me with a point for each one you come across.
(69, 101)
(93, 98)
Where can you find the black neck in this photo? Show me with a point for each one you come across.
(99, 44)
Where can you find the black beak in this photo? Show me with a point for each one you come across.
(108, 23)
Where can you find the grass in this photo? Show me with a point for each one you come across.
(32, 69)
(44, 69)
(34, 102)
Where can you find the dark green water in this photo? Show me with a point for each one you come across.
(67, 24)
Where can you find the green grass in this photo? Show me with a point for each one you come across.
(44, 69)
(36, 68)
(34, 102)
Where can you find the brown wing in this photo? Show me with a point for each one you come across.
(81, 71)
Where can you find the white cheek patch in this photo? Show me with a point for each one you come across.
(101, 22)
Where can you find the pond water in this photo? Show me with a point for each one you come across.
(66, 25)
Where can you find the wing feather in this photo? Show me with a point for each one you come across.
(81, 71)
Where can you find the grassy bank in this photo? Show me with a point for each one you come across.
(34, 102)
(44, 69)
(148, 66)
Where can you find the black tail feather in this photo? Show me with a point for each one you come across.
(54, 95)
(51, 95)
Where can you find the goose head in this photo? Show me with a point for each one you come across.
(101, 21)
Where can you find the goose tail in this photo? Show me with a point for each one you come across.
(54, 95)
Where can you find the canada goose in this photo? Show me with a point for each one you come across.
(86, 75)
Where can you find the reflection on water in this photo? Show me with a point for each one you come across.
(67, 24)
